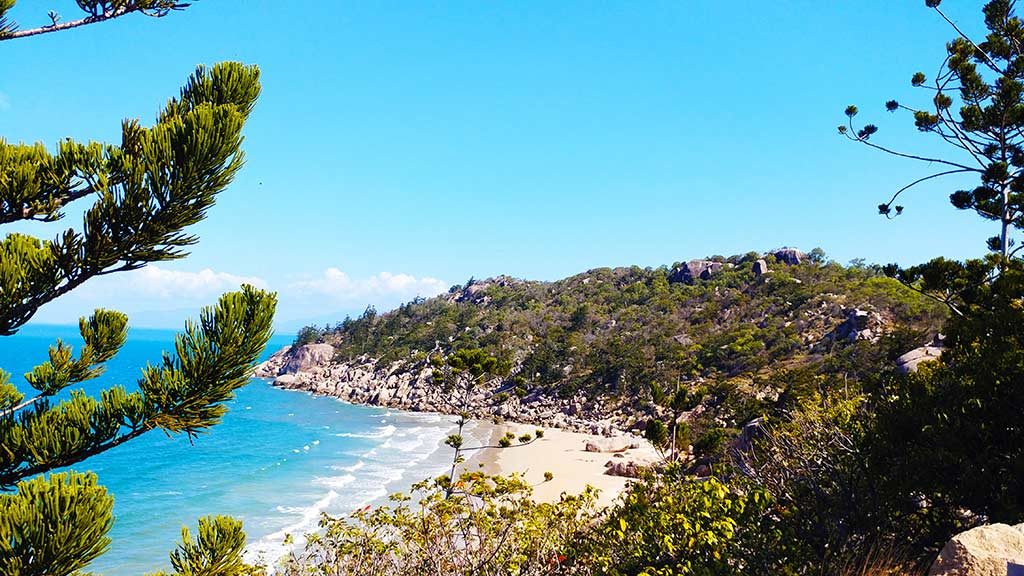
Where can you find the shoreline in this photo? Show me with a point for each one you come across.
(565, 455)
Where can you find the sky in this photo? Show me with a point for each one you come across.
(399, 148)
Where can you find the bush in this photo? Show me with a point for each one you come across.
(488, 525)
(670, 524)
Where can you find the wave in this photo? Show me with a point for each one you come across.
(382, 432)
(271, 548)
(359, 464)
(334, 482)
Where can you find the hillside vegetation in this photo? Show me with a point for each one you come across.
(743, 337)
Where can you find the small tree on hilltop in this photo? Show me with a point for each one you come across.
(145, 192)
(976, 107)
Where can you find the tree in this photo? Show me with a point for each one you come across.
(977, 109)
(146, 191)
(675, 404)
(951, 432)
(670, 524)
(308, 335)
(489, 526)
(462, 377)
(95, 11)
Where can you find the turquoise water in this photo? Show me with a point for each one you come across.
(277, 461)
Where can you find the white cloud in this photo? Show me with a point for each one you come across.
(382, 287)
(151, 296)
(162, 297)
(155, 282)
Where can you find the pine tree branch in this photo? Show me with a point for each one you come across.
(22, 405)
(12, 478)
(866, 142)
(93, 19)
(988, 60)
(920, 180)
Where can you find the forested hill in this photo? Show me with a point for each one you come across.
(610, 333)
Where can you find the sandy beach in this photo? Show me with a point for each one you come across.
(564, 455)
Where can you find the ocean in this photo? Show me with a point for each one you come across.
(279, 459)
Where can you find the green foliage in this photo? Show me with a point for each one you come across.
(215, 551)
(673, 525)
(54, 525)
(610, 332)
(140, 211)
(963, 413)
(94, 11)
(145, 192)
(488, 525)
(308, 335)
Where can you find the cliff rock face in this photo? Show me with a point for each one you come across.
(859, 325)
(293, 361)
(365, 380)
(760, 268)
(272, 366)
(307, 357)
(981, 551)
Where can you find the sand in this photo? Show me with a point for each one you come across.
(562, 453)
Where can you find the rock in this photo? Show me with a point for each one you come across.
(693, 270)
(625, 469)
(858, 325)
(591, 447)
(760, 268)
(272, 366)
(790, 256)
(285, 380)
(981, 551)
(909, 362)
(308, 357)
(683, 339)
(750, 432)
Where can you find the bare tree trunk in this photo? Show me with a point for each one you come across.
(1007, 216)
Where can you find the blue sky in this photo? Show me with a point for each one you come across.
(401, 147)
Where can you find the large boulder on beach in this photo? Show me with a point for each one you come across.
(308, 357)
(629, 469)
(982, 551)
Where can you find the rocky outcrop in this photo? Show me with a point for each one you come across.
(909, 362)
(308, 357)
(475, 291)
(760, 268)
(790, 256)
(409, 386)
(292, 361)
(694, 270)
(859, 325)
(982, 551)
(272, 366)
